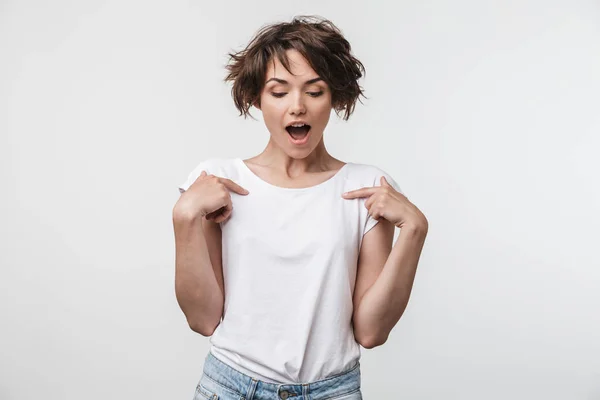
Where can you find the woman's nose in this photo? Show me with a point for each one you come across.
(297, 106)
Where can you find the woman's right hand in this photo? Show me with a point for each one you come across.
(209, 197)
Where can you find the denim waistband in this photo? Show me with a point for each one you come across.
(230, 379)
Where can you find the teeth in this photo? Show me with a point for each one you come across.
(297, 125)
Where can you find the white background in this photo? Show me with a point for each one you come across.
(486, 113)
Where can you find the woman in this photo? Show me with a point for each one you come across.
(286, 272)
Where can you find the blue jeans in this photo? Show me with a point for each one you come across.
(221, 382)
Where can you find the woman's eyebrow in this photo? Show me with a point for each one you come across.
(283, 81)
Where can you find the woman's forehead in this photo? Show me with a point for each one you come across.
(299, 67)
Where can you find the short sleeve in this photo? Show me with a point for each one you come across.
(204, 165)
(371, 222)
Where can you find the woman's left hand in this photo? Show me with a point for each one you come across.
(386, 202)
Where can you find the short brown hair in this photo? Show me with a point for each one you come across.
(319, 41)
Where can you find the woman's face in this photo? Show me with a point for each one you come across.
(301, 96)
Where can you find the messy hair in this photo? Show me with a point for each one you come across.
(319, 41)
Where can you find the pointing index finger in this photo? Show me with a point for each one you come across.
(231, 185)
(362, 192)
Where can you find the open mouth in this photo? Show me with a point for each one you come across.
(299, 131)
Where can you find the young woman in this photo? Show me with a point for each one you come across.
(285, 259)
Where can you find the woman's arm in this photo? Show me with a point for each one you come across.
(198, 272)
(385, 279)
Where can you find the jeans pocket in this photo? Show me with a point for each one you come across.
(354, 395)
(202, 393)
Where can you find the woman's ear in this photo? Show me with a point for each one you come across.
(257, 104)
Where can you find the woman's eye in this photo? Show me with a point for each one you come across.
(312, 94)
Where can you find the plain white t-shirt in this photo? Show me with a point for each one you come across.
(289, 266)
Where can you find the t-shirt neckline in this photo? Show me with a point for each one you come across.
(284, 189)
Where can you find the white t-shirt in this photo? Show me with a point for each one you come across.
(289, 265)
